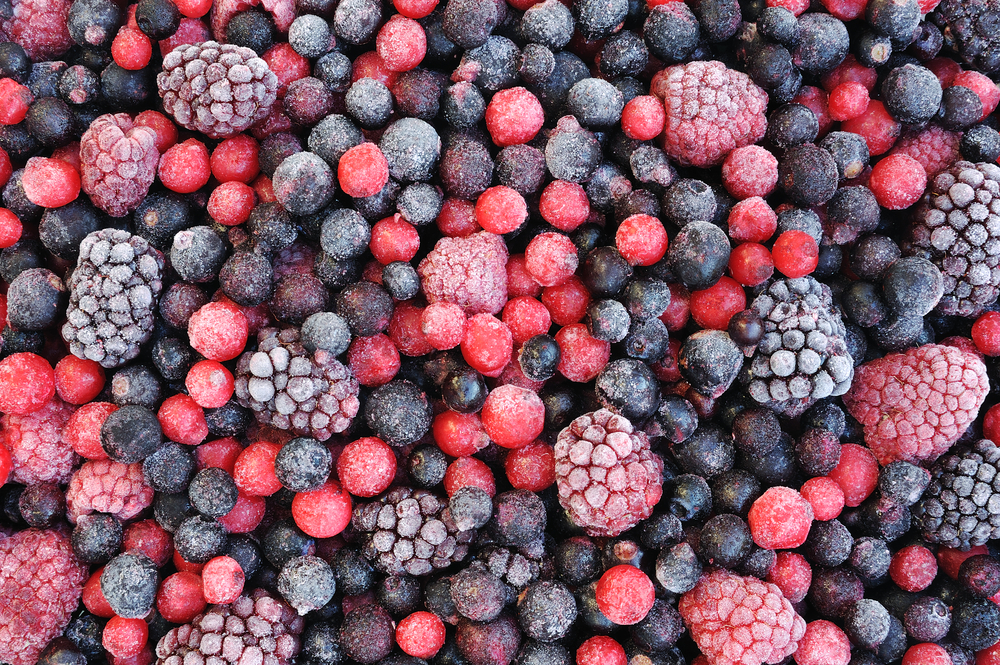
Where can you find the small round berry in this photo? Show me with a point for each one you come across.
(420, 634)
(513, 416)
(50, 183)
(795, 253)
(643, 118)
(209, 384)
(10, 228)
(363, 171)
(713, 307)
(929, 653)
(825, 497)
(848, 100)
(236, 159)
(254, 469)
(641, 240)
(750, 264)
(231, 203)
(564, 205)
(898, 181)
(27, 383)
(78, 380)
(514, 116)
(856, 473)
(222, 580)
(531, 467)
(551, 258)
(125, 638)
(443, 324)
(366, 467)
(401, 43)
(913, 568)
(780, 519)
(487, 344)
(218, 331)
(750, 171)
(625, 595)
(824, 643)
(601, 650)
(500, 210)
(323, 512)
(303, 464)
(792, 574)
(185, 167)
(469, 472)
(985, 333)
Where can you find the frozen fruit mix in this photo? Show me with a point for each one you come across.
(497, 332)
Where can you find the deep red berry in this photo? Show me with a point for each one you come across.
(218, 331)
(414, 8)
(848, 100)
(246, 515)
(513, 116)
(823, 643)
(27, 383)
(797, 7)
(373, 361)
(513, 417)
(750, 171)
(131, 49)
(567, 302)
(323, 512)
(459, 434)
(780, 519)
(487, 344)
(186, 167)
(986, 334)
(583, 357)
(531, 467)
(713, 307)
(641, 239)
(457, 218)
(564, 205)
(194, 9)
(78, 380)
(370, 65)
(526, 317)
(394, 239)
(231, 203)
(750, 264)
(913, 568)
(286, 64)
(15, 100)
(363, 170)
(795, 253)
(850, 70)
(469, 471)
(501, 210)
(825, 497)
(93, 598)
(163, 128)
(898, 181)
(222, 580)
(983, 86)
(50, 183)
(519, 281)
(792, 574)
(183, 419)
(236, 158)
(366, 466)
(643, 118)
(443, 324)
(254, 469)
(148, 537)
(625, 595)
(551, 258)
(929, 653)
(219, 453)
(856, 473)
(876, 127)
(401, 43)
(816, 100)
(124, 638)
(405, 331)
(10, 228)
(180, 598)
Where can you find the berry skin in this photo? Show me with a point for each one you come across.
(218, 331)
(27, 383)
(752, 220)
(366, 467)
(913, 568)
(825, 497)
(323, 512)
(750, 171)
(848, 100)
(887, 392)
(750, 264)
(780, 519)
(583, 357)
(131, 49)
(601, 650)
(713, 307)
(856, 473)
(41, 28)
(986, 334)
(363, 171)
(792, 574)
(186, 167)
(823, 644)
(531, 467)
(898, 181)
(879, 129)
(39, 570)
(420, 634)
(641, 240)
(78, 380)
(231, 203)
(551, 258)
(728, 632)
(690, 93)
(514, 116)
(625, 595)
(235, 158)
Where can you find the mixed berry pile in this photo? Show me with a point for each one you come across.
(499, 332)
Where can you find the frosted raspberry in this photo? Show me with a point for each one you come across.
(934, 147)
(915, 405)
(106, 486)
(36, 444)
(608, 479)
(39, 26)
(282, 11)
(117, 163)
(41, 582)
(739, 620)
(710, 111)
(471, 272)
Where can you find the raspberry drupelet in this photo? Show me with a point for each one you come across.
(107, 486)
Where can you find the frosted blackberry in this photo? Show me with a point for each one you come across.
(216, 89)
(803, 355)
(256, 627)
(969, 29)
(515, 568)
(309, 394)
(956, 228)
(112, 300)
(961, 506)
(410, 531)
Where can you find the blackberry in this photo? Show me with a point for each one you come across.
(274, 635)
(410, 531)
(803, 355)
(968, 30)
(113, 290)
(961, 507)
(229, 88)
(309, 394)
(512, 567)
(952, 228)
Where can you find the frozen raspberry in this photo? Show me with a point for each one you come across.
(42, 582)
(118, 163)
(282, 11)
(739, 620)
(217, 89)
(36, 444)
(107, 486)
(914, 405)
(710, 109)
(608, 479)
(39, 26)
(471, 272)
(934, 147)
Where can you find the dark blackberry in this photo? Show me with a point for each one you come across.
(131, 434)
(546, 610)
(699, 254)
(724, 541)
(960, 108)
(14, 62)
(979, 574)
(199, 538)
(791, 125)
(734, 491)
(867, 623)
(967, 29)
(817, 452)
(213, 492)
(34, 300)
(51, 122)
(136, 384)
(96, 538)
(94, 22)
(466, 167)
(756, 431)
(169, 469)
(129, 583)
(42, 505)
(595, 103)
(426, 466)
(252, 29)
(829, 543)
(678, 568)
(124, 89)
(180, 302)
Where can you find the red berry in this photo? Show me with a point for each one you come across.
(27, 383)
(194, 8)
(750, 264)
(219, 453)
(752, 220)
(179, 598)
(824, 643)
(414, 8)
(564, 205)
(323, 512)
(850, 70)
(163, 128)
(182, 419)
(601, 650)
(236, 158)
(401, 43)
(487, 344)
(94, 600)
(246, 515)
(991, 423)
(792, 574)
(713, 307)
(420, 635)
(513, 416)
(501, 209)
(797, 7)
(370, 65)
(846, 10)
(825, 497)
(124, 638)
(519, 281)
(898, 181)
(950, 560)
(83, 429)
(286, 64)
(466, 472)
(643, 118)
(373, 361)
(513, 116)
(218, 331)
(531, 467)
(459, 434)
(78, 380)
(15, 99)
(567, 302)
(131, 49)
(526, 317)
(856, 473)
(50, 183)
(149, 538)
(551, 258)
(913, 568)
(780, 519)
(457, 218)
(876, 127)
(983, 86)
(641, 239)
(254, 469)
(986, 334)
(625, 595)
(443, 324)
(679, 309)
(185, 167)
(209, 384)
(10, 228)
(816, 99)
(795, 253)
(222, 580)
(231, 203)
(394, 239)
(583, 357)
(750, 171)
(6, 169)
(366, 466)
(929, 653)
(362, 170)
(848, 100)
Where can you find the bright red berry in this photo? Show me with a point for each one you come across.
(583, 357)
(219, 453)
(124, 638)
(824, 643)
(567, 302)
(876, 127)
(750, 171)
(487, 344)
(27, 383)
(394, 239)
(236, 158)
(366, 466)
(209, 384)
(513, 116)
(373, 361)
(457, 219)
(218, 331)
(750, 264)
(466, 472)
(564, 205)
(254, 469)
(792, 574)
(986, 333)
(913, 568)
(180, 598)
(459, 434)
(15, 100)
(323, 512)
(795, 253)
(131, 49)
(363, 171)
(231, 203)
(625, 595)
(713, 307)
(848, 100)
(414, 8)
(601, 650)
(551, 258)
(641, 239)
(50, 183)
(780, 519)
(185, 167)
(183, 419)
(401, 43)
(526, 317)
(222, 580)
(420, 635)
(898, 181)
(856, 473)
(513, 416)
(929, 653)
(10, 228)
(643, 118)
(501, 209)
(531, 467)
(78, 380)
(983, 86)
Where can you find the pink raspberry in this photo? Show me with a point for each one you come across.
(738, 620)
(471, 272)
(607, 477)
(41, 582)
(750, 171)
(117, 163)
(107, 486)
(710, 111)
(40, 27)
(36, 444)
(934, 147)
(914, 405)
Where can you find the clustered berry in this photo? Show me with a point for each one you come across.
(499, 332)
